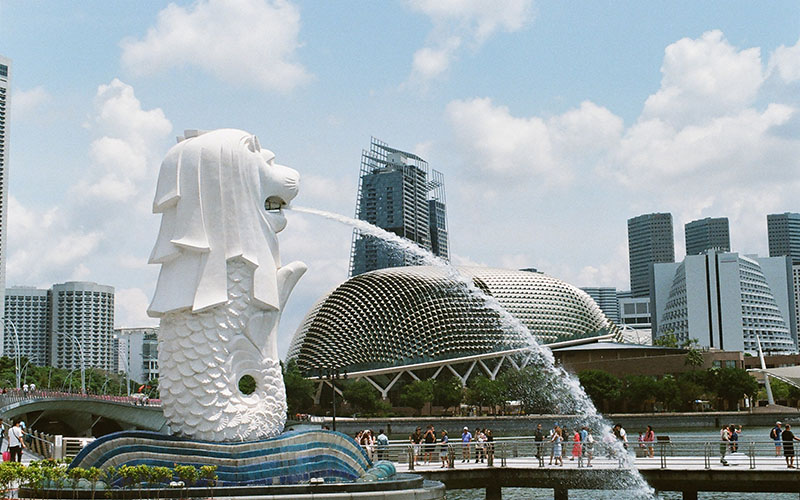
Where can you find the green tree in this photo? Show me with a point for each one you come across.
(666, 340)
(601, 386)
(667, 391)
(447, 392)
(299, 390)
(732, 384)
(640, 391)
(416, 394)
(362, 396)
(485, 392)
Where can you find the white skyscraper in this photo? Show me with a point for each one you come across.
(5, 88)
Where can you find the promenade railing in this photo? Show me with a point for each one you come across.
(681, 453)
(18, 396)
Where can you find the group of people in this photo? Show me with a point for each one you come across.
(784, 439)
(582, 445)
(376, 446)
(425, 448)
(646, 442)
(484, 444)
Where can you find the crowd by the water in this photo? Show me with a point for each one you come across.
(553, 446)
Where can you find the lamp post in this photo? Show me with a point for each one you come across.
(332, 374)
(16, 350)
(83, 360)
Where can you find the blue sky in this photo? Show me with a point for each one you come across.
(552, 122)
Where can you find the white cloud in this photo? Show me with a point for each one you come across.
(131, 308)
(431, 62)
(704, 78)
(530, 149)
(713, 140)
(459, 21)
(786, 61)
(125, 156)
(252, 41)
(25, 103)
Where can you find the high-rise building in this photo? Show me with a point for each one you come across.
(137, 353)
(783, 233)
(5, 104)
(399, 193)
(27, 313)
(82, 325)
(650, 241)
(607, 299)
(707, 234)
(724, 300)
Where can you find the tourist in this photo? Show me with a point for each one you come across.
(775, 435)
(550, 438)
(649, 441)
(16, 442)
(25, 389)
(734, 438)
(557, 439)
(444, 449)
(622, 437)
(430, 443)
(416, 439)
(489, 446)
(480, 446)
(383, 444)
(576, 446)
(724, 440)
(583, 434)
(789, 438)
(538, 436)
(588, 447)
(466, 438)
(368, 442)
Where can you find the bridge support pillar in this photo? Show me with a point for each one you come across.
(560, 493)
(689, 495)
(494, 492)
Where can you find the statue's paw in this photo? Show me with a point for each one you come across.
(288, 276)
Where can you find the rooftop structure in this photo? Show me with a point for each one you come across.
(394, 318)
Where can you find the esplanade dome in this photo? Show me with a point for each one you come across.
(409, 315)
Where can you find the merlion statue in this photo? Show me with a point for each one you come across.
(221, 288)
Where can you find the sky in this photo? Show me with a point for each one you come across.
(552, 123)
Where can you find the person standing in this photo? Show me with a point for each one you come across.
(584, 433)
(789, 438)
(383, 444)
(480, 446)
(444, 449)
(589, 447)
(724, 440)
(775, 435)
(430, 443)
(416, 438)
(557, 440)
(489, 446)
(538, 436)
(649, 441)
(733, 438)
(466, 438)
(16, 442)
(576, 446)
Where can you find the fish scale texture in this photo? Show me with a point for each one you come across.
(202, 356)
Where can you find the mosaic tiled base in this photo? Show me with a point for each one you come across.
(291, 458)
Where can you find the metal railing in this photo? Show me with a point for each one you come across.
(525, 451)
(18, 396)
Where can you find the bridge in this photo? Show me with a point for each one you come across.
(75, 414)
(685, 466)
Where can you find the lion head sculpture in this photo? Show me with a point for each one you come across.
(220, 195)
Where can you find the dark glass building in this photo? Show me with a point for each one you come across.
(650, 240)
(707, 234)
(783, 232)
(399, 193)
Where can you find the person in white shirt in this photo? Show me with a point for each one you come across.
(16, 442)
